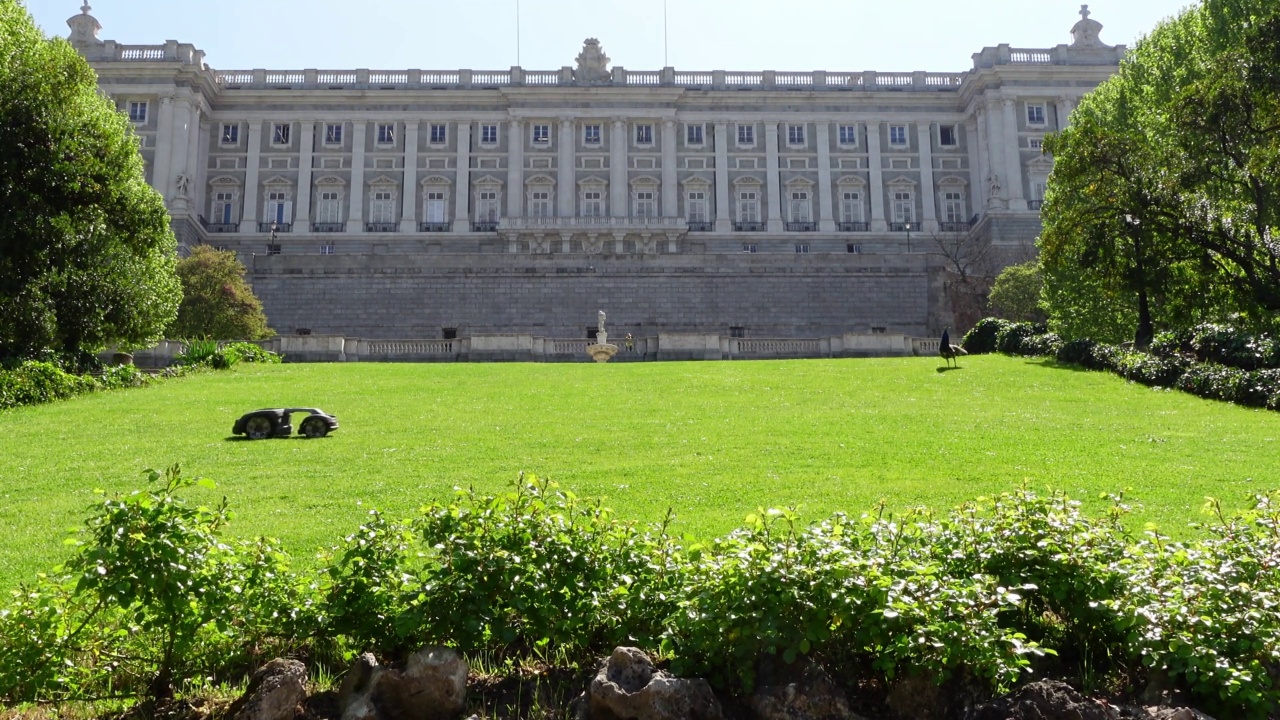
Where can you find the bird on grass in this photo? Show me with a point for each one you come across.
(948, 351)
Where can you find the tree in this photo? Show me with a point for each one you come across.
(86, 252)
(1164, 200)
(217, 303)
(1015, 295)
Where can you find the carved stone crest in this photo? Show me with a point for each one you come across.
(1086, 32)
(593, 64)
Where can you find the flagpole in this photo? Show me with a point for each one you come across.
(665, 62)
(517, 33)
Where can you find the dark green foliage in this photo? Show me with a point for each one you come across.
(1013, 338)
(86, 253)
(33, 383)
(238, 352)
(981, 338)
(217, 302)
(1015, 294)
(209, 353)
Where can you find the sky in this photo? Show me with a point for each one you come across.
(796, 35)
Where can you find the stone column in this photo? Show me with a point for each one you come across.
(826, 216)
(724, 206)
(772, 177)
(355, 215)
(878, 223)
(462, 183)
(306, 151)
(201, 180)
(249, 218)
(565, 170)
(515, 168)
(670, 186)
(928, 193)
(1013, 156)
(973, 132)
(180, 138)
(995, 155)
(409, 189)
(1066, 106)
(161, 179)
(618, 168)
(192, 169)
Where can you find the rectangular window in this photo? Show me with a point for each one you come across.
(748, 247)
(434, 210)
(333, 134)
(802, 248)
(1035, 114)
(1037, 190)
(230, 134)
(746, 134)
(278, 210)
(644, 134)
(1035, 143)
(748, 207)
(848, 134)
(693, 134)
(800, 207)
(438, 134)
(592, 204)
(280, 134)
(646, 206)
(386, 135)
(851, 207)
(326, 249)
(541, 134)
(330, 208)
(590, 135)
(696, 207)
(795, 134)
(487, 208)
(382, 207)
(138, 112)
(953, 207)
(540, 203)
(903, 207)
(898, 135)
(224, 208)
(273, 249)
(947, 136)
(488, 134)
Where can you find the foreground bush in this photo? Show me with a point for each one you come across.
(154, 598)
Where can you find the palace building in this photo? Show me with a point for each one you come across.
(458, 203)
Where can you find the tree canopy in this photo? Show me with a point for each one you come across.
(86, 252)
(1163, 204)
(217, 303)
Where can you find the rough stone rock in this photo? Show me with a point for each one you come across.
(1165, 713)
(810, 695)
(918, 698)
(432, 686)
(1046, 700)
(628, 688)
(275, 691)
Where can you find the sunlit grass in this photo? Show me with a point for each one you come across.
(712, 440)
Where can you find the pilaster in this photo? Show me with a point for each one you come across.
(772, 177)
(723, 210)
(193, 170)
(995, 156)
(1013, 156)
(409, 188)
(669, 197)
(618, 168)
(565, 171)
(355, 215)
(877, 177)
(249, 218)
(826, 217)
(515, 168)
(462, 185)
(928, 191)
(974, 136)
(180, 147)
(306, 150)
(1066, 105)
(161, 177)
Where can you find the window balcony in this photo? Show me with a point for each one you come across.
(591, 223)
(328, 227)
(222, 227)
(954, 227)
(701, 226)
(749, 226)
(434, 227)
(852, 227)
(801, 227)
(905, 227)
(1035, 204)
(275, 227)
(484, 226)
(381, 227)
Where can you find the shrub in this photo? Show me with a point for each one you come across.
(1015, 294)
(1229, 346)
(197, 352)
(248, 352)
(1014, 338)
(33, 383)
(1151, 369)
(981, 339)
(117, 377)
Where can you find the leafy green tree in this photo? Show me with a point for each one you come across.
(1165, 196)
(86, 252)
(1015, 295)
(217, 303)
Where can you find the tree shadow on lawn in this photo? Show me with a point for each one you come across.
(1053, 364)
(947, 368)
(241, 438)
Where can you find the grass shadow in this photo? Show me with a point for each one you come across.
(241, 438)
(947, 368)
(1053, 364)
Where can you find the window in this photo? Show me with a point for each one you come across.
(800, 206)
(953, 206)
(802, 248)
(487, 208)
(898, 135)
(326, 249)
(488, 134)
(590, 135)
(851, 207)
(280, 134)
(848, 135)
(903, 207)
(386, 134)
(748, 247)
(746, 134)
(748, 207)
(449, 333)
(434, 210)
(382, 207)
(795, 134)
(854, 248)
(540, 203)
(1035, 143)
(329, 210)
(1035, 114)
(230, 134)
(273, 249)
(738, 331)
(592, 204)
(693, 134)
(138, 112)
(696, 207)
(1037, 190)
(644, 134)
(438, 134)
(646, 206)
(279, 210)
(224, 208)
(541, 134)
(947, 136)
(333, 134)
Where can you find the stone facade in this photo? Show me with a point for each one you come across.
(766, 204)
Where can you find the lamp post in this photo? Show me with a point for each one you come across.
(908, 228)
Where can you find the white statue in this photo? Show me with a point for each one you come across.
(183, 183)
(593, 64)
(600, 321)
(995, 184)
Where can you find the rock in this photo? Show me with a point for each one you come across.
(1046, 700)
(810, 695)
(918, 698)
(432, 686)
(1164, 713)
(628, 688)
(275, 691)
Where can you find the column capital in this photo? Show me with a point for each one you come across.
(167, 98)
(566, 123)
(669, 123)
(618, 121)
(1008, 102)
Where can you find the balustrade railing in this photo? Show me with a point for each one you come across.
(569, 347)
(381, 227)
(142, 52)
(328, 227)
(701, 226)
(768, 346)
(957, 227)
(433, 227)
(593, 223)
(739, 226)
(222, 227)
(267, 227)
(802, 227)
(392, 348)
(484, 226)
(851, 227)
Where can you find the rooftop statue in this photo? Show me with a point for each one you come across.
(593, 64)
(1086, 32)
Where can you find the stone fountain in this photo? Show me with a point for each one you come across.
(601, 351)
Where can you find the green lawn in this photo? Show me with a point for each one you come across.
(713, 440)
